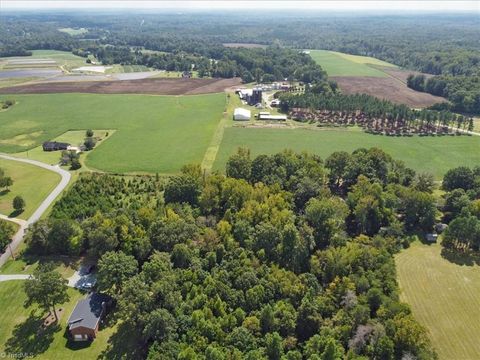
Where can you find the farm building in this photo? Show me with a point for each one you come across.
(241, 114)
(268, 116)
(432, 237)
(85, 319)
(250, 96)
(54, 146)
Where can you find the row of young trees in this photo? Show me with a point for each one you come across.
(373, 114)
(286, 257)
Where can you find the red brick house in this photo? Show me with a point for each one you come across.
(85, 319)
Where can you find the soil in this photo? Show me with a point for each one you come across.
(159, 86)
(389, 88)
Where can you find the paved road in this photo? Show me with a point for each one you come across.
(18, 237)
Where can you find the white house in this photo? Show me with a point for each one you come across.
(241, 114)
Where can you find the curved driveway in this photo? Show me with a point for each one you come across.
(18, 237)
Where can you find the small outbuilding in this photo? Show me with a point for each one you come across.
(85, 319)
(241, 114)
(432, 237)
(54, 146)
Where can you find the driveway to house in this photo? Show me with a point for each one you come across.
(14, 277)
(81, 277)
(18, 237)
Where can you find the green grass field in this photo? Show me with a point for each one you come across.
(445, 297)
(340, 64)
(153, 133)
(73, 32)
(432, 154)
(73, 137)
(31, 182)
(63, 60)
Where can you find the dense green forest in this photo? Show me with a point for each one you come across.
(444, 45)
(461, 209)
(286, 257)
(463, 90)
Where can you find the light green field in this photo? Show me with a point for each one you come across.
(31, 182)
(445, 297)
(432, 154)
(19, 331)
(127, 69)
(73, 32)
(73, 137)
(340, 64)
(153, 133)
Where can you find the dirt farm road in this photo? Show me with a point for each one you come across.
(18, 237)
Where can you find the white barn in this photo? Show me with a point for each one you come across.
(241, 114)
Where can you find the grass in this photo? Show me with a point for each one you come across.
(127, 69)
(153, 133)
(432, 154)
(31, 182)
(73, 137)
(72, 31)
(19, 332)
(444, 296)
(339, 64)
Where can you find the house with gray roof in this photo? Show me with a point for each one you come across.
(85, 319)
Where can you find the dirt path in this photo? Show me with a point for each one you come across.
(18, 237)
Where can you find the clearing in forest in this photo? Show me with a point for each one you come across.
(444, 296)
(340, 64)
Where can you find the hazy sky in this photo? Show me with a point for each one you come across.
(470, 6)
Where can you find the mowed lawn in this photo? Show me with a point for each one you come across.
(30, 182)
(445, 297)
(153, 133)
(19, 332)
(340, 64)
(432, 154)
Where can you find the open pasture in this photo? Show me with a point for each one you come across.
(432, 154)
(366, 75)
(153, 133)
(30, 182)
(339, 64)
(444, 296)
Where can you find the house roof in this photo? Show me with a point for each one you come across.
(54, 144)
(88, 311)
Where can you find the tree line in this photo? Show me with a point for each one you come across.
(461, 209)
(463, 91)
(287, 256)
(373, 114)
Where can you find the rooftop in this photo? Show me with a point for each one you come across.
(88, 311)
